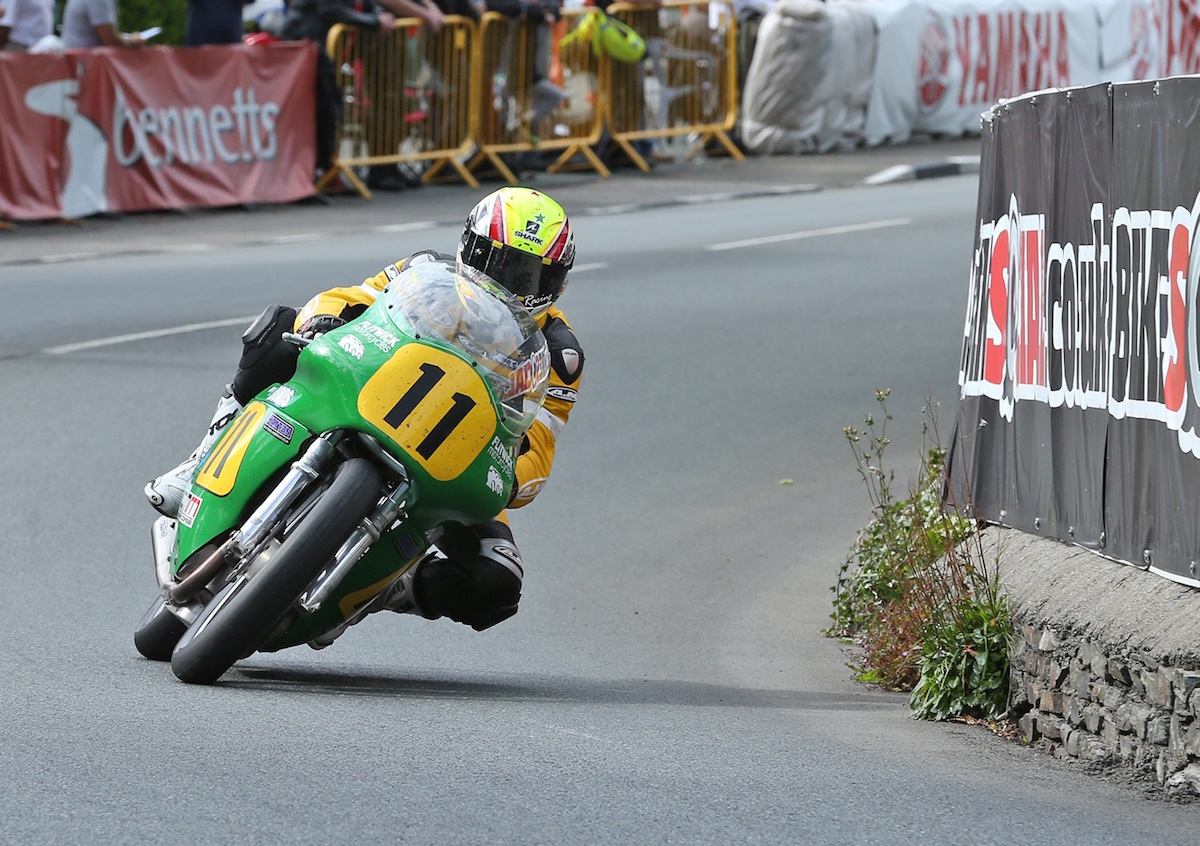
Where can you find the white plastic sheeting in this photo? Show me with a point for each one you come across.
(810, 80)
(850, 72)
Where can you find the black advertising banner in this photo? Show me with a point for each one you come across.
(1029, 437)
(1080, 371)
(1152, 481)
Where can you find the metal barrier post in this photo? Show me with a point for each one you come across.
(535, 94)
(582, 112)
(406, 97)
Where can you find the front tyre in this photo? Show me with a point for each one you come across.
(246, 611)
(158, 632)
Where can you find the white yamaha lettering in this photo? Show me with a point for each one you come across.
(1008, 53)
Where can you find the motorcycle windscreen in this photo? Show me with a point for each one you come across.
(463, 308)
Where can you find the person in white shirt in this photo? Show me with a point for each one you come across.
(24, 23)
(93, 23)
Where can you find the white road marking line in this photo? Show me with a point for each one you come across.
(298, 238)
(406, 227)
(601, 210)
(142, 336)
(185, 248)
(200, 327)
(810, 233)
(62, 258)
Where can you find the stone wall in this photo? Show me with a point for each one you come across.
(1085, 704)
(1105, 659)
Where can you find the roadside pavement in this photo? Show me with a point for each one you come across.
(581, 192)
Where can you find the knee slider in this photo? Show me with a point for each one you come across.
(479, 591)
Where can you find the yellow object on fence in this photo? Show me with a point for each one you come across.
(607, 36)
(685, 86)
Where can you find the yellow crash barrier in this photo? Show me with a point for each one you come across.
(536, 95)
(407, 98)
(686, 83)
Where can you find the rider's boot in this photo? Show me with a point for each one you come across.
(397, 597)
(167, 491)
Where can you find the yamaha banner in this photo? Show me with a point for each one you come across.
(1080, 370)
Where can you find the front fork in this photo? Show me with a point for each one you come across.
(389, 510)
(257, 534)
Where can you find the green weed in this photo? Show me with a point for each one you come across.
(915, 594)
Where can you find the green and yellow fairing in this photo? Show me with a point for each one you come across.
(431, 371)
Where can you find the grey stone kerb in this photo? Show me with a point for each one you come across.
(1105, 658)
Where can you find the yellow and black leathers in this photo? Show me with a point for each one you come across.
(537, 452)
(475, 575)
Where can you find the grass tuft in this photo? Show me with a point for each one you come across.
(916, 595)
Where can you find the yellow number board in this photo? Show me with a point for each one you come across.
(434, 405)
(220, 468)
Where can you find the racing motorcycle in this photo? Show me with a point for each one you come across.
(326, 489)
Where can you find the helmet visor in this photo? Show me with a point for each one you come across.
(534, 280)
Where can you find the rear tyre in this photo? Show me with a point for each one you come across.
(247, 610)
(158, 632)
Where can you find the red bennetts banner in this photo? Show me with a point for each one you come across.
(111, 130)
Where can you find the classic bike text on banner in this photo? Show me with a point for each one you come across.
(1080, 370)
(110, 130)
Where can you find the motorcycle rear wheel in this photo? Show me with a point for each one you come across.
(158, 632)
(246, 611)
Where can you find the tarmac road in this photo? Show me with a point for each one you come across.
(686, 181)
(665, 682)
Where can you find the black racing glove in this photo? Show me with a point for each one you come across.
(319, 324)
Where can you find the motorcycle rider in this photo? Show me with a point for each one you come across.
(523, 240)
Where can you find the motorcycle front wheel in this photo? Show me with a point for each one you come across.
(158, 632)
(246, 611)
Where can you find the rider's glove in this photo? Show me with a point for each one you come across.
(318, 325)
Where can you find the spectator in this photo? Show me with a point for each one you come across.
(24, 23)
(430, 13)
(312, 20)
(214, 22)
(93, 23)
